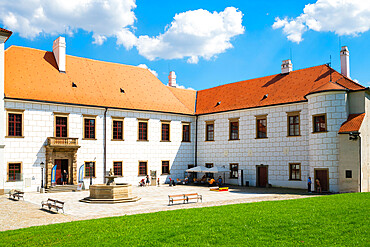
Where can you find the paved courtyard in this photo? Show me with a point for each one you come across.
(20, 214)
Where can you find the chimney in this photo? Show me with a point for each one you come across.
(59, 51)
(172, 79)
(286, 66)
(344, 61)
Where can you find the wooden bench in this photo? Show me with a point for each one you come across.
(16, 193)
(184, 197)
(193, 196)
(173, 198)
(51, 203)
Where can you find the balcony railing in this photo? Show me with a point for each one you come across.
(62, 141)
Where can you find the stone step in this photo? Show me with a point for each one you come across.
(61, 188)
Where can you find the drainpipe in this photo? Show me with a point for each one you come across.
(196, 140)
(105, 144)
(359, 138)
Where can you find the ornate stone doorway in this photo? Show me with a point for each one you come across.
(61, 149)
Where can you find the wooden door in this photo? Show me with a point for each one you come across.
(323, 176)
(64, 166)
(262, 176)
(58, 172)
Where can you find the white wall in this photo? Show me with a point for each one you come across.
(277, 151)
(39, 124)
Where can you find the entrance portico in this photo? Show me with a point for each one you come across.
(58, 149)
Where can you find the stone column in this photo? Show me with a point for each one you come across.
(74, 167)
(49, 165)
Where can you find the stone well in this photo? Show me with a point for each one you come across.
(113, 193)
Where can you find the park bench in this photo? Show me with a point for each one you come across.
(173, 198)
(55, 204)
(16, 194)
(193, 196)
(184, 197)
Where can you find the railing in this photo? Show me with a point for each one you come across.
(62, 141)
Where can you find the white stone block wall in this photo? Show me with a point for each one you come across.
(39, 124)
(324, 147)
(277, 151)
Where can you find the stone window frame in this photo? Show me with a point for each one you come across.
(114, 162)
(88, 162)
(21, 171)
(313, 123)
(143, 120)
(294, 114)
(91, 117)
(258, 118)
(169, 170)
(291, 172)
(60, 114)
(231, 171)
(186, 124)
(166, 122)
(118, 119)
(146, 168)
(233, 120)
(14, 111)
(207, 123)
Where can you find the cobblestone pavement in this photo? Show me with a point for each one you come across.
(153, 199)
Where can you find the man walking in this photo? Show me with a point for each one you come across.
(309, 182)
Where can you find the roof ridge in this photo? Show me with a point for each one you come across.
(261, 77)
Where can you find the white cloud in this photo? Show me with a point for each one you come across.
(144, 66)
(194, 34)
(31, 18)
(183, 87)
(191, 35)
(343, 17)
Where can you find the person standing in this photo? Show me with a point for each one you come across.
(64, 177)
(147, 180)
(309, 182)
(158, 182)
(318, 185)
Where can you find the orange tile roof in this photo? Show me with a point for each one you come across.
(352, 124)
(6, 32)
(272, 90)
(33, 75)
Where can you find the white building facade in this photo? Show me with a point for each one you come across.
(265, 135)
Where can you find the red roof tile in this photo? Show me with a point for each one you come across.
(6, 32)
(33, 75)
(271, 90)
(352, 124)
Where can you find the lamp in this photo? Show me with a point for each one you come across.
(42, 165)
(353, 136)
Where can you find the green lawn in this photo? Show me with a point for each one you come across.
(342, 220)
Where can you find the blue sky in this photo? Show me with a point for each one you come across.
(207, 43)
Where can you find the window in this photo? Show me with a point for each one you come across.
(143, 130)
(208, 174)
(234, 170)
(143, 168)
(293, 124)
(186, 132)
(89, 127)
(319, 123)
(294, 171)
(89, 171)
(165, 131)
(15, 123)
(61, 126)
(14, 171)
(261, 125)
(210, 131)
(117, 127)
(117, 168)
(348, 173)
(165, 167)
(233, 129)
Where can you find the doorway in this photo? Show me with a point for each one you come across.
(262, 176)
(62, 164)
(323, 175)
